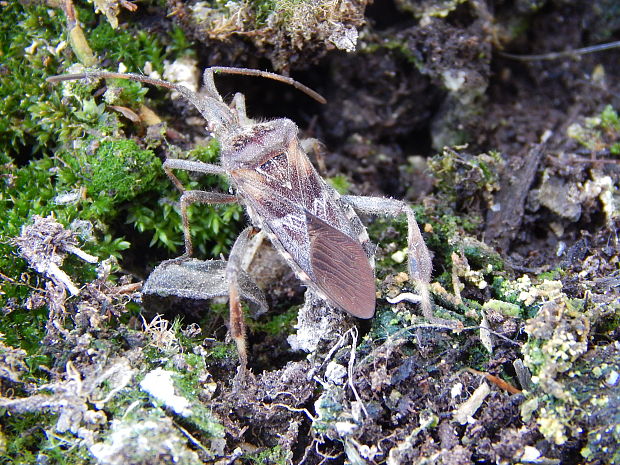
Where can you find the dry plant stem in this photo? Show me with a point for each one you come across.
(500, 383)
(564, 54)
(351, 381)
(77, 38)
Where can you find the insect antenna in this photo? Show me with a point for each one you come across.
(213, 109)
(267, 75)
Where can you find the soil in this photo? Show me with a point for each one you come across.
(416, 84)
(387, 104)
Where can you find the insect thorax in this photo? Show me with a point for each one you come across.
(251, 145)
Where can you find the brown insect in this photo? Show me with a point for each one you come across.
(315, 229)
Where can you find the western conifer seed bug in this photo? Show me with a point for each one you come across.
(314, 228)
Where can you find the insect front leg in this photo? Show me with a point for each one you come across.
(190, 197)
(316, 147)
(419, 258)
(192, 166)
(238, 106)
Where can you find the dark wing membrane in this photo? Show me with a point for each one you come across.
(341, 268)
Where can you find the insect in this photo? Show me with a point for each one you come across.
(314, 228)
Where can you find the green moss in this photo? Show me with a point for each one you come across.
(120, 170)
(277, 324)
(610, 119)
(179, 44)
(24, 435)
(29, 36)
(190, 384)
(70, 155)
(222, 351)
(263, 9)
(133, 48)
(63, 449)
(461, 175)
(505, 308)
(29, 439)
(340, 183)
(273, 456)
(598, 133)
(575, 391)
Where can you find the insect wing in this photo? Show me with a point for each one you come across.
(341, 268)
(310, 226)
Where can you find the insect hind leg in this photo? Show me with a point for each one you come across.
(418, 255)
(233, 271)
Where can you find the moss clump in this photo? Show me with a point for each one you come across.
(575, 379)
(461, 176)
(273, 456)
(30, 46)
(194, 383)
(121, 170)
(134, 48)
(598, 133)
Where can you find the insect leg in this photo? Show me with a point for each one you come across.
(318, 150)
(238, 105)
(233, 270)
(190, 197)
(419, 258)
(189, 165)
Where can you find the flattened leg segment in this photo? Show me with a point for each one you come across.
(419, 258)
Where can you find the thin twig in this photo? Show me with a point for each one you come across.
(192, 438)
(292, 409)
(350, 369)
(564, 54)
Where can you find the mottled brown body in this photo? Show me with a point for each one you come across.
(316, 230)
(320, 236)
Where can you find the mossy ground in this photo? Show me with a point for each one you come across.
(522, 222)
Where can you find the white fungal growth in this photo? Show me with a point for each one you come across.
(160, 385)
